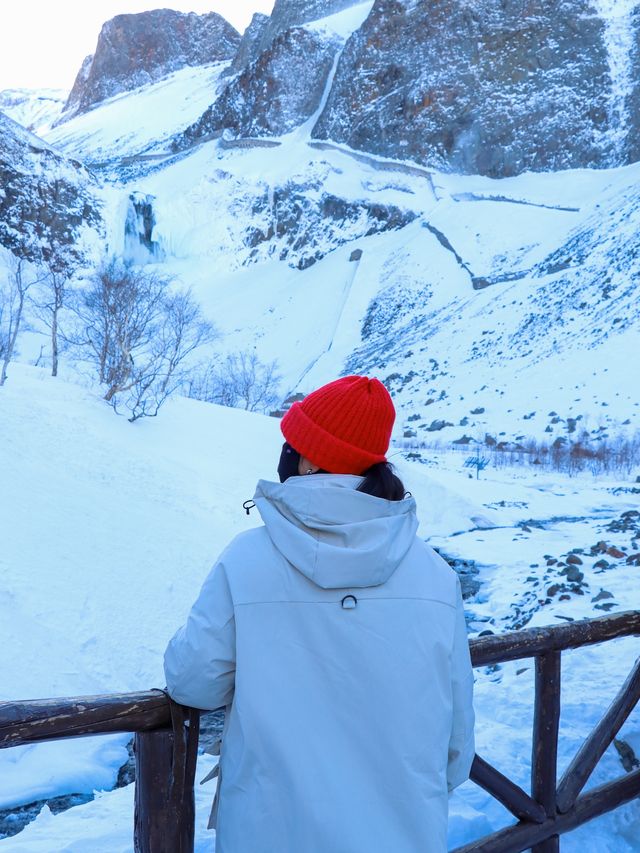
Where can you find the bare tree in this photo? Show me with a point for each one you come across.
(48, 302)
(14, 285)
(140, 334)
(240, 381)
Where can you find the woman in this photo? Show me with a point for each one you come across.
(336, 640)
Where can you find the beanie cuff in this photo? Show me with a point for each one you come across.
(325, 450)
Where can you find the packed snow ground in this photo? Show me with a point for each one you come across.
(114, 526)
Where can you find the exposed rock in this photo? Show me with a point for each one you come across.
(616, 553)
(491, 87)
(14, 820)
(601, 596)
(266, 98)
(134, 50)
(249, 47)
(437, 425)
(468, 572)
(79, 86)
(287, 14)
(573, 574)
(463, 440)
(627, 755)
(47, 202)
(301, 223)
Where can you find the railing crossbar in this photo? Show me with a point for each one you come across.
(594, 747)
(521, 836)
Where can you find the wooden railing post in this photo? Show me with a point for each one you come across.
(546, 722)
(164, 820)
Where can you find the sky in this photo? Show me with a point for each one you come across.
(43, 43)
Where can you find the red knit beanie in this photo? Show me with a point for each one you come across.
(343, 427)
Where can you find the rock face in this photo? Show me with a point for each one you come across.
(47, 202)
(492, 87)
(133, 50)
(267, 99)
(79, 85)
(248, 49)
(301, 223)
(292, 13)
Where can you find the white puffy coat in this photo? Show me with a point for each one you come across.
(336, 639)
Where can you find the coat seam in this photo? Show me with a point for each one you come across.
(337, 600)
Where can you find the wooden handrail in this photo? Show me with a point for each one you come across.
(167, 736)
(530, 642)
(50, 719)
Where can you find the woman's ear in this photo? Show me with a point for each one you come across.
(306, 466)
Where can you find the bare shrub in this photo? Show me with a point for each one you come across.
(617, 455)
(139, 333)
(242, 381)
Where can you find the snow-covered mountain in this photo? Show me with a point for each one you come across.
(34, 109)
(465, 293)
(134, 50)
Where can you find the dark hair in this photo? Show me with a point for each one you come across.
(381, 482)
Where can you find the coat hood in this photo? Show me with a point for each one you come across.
(334, 535)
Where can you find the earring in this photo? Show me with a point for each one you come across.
(309, 470)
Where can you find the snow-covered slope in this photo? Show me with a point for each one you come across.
(35, 109)
(127, 521)
(50, 205)
(113, 529)
(470, 293)
(139, 122)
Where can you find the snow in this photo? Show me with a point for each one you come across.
(142, 121)
(129, 517)
(619, 41)
(205, 202)
(161, 498)
(344, 23)
(35, 109)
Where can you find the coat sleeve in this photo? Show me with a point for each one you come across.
(200, 660)
(461, 742)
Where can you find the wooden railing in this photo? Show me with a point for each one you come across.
(166, 741)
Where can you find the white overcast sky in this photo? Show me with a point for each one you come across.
(43, 42)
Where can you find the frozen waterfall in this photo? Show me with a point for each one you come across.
(619, 35)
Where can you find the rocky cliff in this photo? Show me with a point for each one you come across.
(274, 94)
(48, 204)
(282, 70)
(133, 50)
(494, 87)
(287, 14)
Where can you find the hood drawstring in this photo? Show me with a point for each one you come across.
(248, 506)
